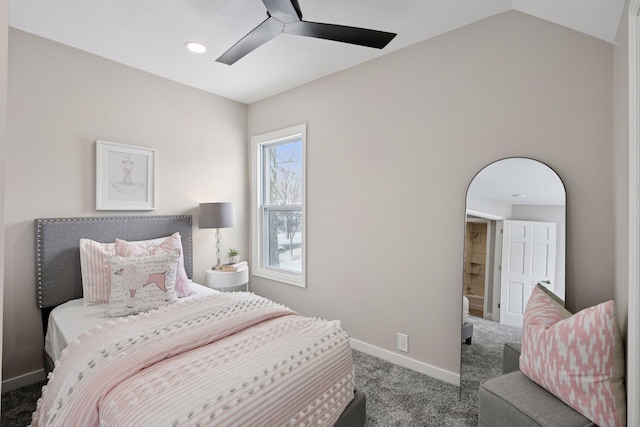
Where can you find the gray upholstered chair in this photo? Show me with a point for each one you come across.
(513, 399)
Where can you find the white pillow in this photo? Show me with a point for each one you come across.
(142, 283)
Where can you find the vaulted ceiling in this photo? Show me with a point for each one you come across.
(150, 34)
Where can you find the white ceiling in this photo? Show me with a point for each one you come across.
(150, 34)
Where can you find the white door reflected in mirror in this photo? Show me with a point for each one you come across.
(528, 258)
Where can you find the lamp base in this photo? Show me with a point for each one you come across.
(218, 266)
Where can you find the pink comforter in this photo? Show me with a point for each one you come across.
(228, 359)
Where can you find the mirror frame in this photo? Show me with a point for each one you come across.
(466, 215)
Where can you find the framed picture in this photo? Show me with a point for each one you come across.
(124, 177)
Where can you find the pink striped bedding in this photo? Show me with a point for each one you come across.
(230, 359)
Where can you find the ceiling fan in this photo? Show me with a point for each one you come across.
(284, 16)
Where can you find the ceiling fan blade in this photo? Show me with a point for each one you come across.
(341, 33)
(283, 10)
(264, 32)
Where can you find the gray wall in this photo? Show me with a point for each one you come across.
(392, 146)
(60, 101)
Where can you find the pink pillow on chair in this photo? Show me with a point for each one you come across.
(579, 358)
(157, 246)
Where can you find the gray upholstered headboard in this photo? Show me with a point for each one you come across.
(58, 276)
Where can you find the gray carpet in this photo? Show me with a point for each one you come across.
(396, 396)
(18, 405)
(483, 358)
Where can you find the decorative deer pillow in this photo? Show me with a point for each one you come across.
(578, 358)
(142, 283)
(159, 246)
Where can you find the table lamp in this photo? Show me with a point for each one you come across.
(217, 215)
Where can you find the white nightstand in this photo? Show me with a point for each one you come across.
(221, 280)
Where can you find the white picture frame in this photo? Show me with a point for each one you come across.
(124, 177)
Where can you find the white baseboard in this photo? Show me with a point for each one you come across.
(406, 362)
(23, 380)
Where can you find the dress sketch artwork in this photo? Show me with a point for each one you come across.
(128, 185)
(124, 177)
(127, 177)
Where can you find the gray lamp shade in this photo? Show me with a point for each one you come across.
(217, 215)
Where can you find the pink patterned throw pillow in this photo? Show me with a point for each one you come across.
(157, 246)
(578, 358)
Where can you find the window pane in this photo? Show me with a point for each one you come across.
(283, 173)
(283, 247)
(278, 217)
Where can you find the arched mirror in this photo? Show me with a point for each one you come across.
(514, 238)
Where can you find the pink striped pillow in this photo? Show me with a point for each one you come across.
(159, 246)
(579, 359)
(94, 265)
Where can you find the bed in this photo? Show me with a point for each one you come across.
(209, 359)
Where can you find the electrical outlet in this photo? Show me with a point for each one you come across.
(403, 342)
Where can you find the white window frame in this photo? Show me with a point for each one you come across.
(257, 209)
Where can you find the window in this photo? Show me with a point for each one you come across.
(278, 208)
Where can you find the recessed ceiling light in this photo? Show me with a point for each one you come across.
(196, 47)
(518, 196)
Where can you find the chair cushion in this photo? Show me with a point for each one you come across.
(514, 400)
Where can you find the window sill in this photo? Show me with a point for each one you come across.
(288, 278)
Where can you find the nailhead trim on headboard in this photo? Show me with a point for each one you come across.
(40, 223)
